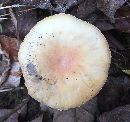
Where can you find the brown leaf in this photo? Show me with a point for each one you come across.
(123, 19)
(120, 114)
(10, 45)
(109, 7)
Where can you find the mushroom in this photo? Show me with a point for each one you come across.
(65, 61)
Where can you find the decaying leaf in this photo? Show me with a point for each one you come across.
(123, 19)
(12, 118)
(11, 46)
(22, 111)
(33, 109)
(63, 5)
(100, 20)
(4, 65)
(120, 114)
(109, 7)
(1, 28)
(38, 119)
(43, 4)
(85, 8)
(26, 20)
(126, 71)
(114, 93)
(85, 113)
(14, 75)
(64, 116)
(53, 5)
(11, 115)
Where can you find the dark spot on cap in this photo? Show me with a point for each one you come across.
(31, 68)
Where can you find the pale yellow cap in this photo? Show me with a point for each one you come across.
(65, 61)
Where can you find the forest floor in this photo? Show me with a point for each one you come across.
(112, 17)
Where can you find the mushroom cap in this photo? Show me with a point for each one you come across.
(65, 61)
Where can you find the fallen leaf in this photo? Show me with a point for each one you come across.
(63, 116)
(85, 113)
(46, 108)
(43, 4)
(33, 109)
(47, 117)
(14, 76)
(38, 119)
(11, 115)
(63, 5)
(122, 21)
(85, 7)
(100, 20)
(115, 92)
(52, 5)
(8, 28)
(126, 71)
(11, 46)
(104, 25)
(26, 20)
(4, 65)
(119, 114)
(109, 7)
(12, 118)
(22, 111)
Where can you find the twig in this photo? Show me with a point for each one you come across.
(12, 6)
(3, 118)
(26, 10)
(10, 89)
(3, 18)
(15, 23)
(13, 18)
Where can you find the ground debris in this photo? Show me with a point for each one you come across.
(11, 46)
(109, 7)
(119, 114)
(116, 92)
(4, 65)
(14, 76)
(85, 113)
(38, 119)
(122, 16)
